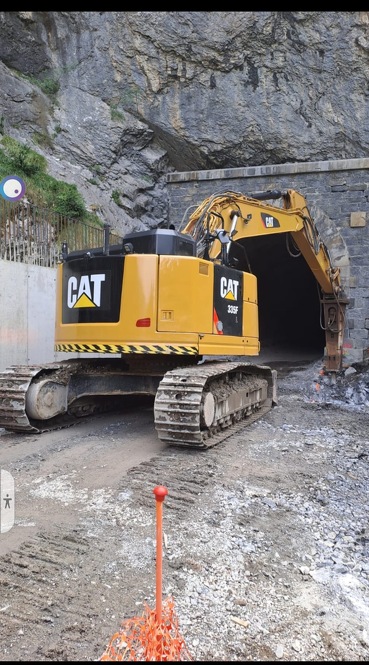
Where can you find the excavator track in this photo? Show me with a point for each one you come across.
(14, 384)
(198, 407)
(42, 398)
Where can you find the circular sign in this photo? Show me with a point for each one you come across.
(12, 188)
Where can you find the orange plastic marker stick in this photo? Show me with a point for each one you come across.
(160, 493)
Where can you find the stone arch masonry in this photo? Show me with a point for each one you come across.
(337, 193)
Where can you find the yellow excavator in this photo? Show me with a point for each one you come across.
(178, 312)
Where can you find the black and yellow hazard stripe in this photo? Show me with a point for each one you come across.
(177, 349)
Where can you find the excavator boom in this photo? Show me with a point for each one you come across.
(222, 217)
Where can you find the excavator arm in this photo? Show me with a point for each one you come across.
(230, 217)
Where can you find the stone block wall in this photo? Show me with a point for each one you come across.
(337, 188)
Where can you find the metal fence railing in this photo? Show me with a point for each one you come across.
(29, 234)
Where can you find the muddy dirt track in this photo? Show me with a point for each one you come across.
(266, 537)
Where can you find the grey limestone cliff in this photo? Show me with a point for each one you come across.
(116, 100)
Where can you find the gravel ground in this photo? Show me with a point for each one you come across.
(280, 568)
(266, 537)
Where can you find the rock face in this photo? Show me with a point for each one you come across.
(116, 100)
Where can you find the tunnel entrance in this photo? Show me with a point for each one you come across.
(290, 315)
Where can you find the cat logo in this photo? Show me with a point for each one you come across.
(269, 221)
(229, 288)
(86, 293)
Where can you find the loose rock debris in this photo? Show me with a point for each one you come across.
(267, 540)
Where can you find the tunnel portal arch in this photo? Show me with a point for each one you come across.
(337, 194)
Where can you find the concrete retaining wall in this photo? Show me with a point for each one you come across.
(27, 314)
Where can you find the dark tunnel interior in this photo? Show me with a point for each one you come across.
(290, 317)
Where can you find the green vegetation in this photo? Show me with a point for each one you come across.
(42, 139)
(57, 130)
(42, 189)
(128, 100)
(19, 157)
(130, 96)
(97, 169)
(115, 114)
(50, 85)
(115, 195)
